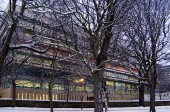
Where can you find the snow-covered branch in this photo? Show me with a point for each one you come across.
(28, 46)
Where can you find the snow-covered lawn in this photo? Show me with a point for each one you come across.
(123, 109)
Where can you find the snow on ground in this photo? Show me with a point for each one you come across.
(123, 109)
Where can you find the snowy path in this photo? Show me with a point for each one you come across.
(123, 109)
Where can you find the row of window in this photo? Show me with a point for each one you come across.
(119, 76)
(120, 88)
(30, 84)
(38, 60)
(123, 92)
(116, 75)
(59, 87)
(46, 96)
(33, 96)
(113, 87)
(121, 85)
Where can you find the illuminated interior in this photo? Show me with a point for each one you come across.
(27, 83)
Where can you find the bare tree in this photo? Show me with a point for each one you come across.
(27, 31)
(147, 32)
(51, 83)
(90, 30)
(10, 23)
(12, 72)
(8, 33)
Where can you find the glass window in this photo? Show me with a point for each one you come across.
(45, 85)
(128, 86)
(36, 85)
(24, 83)
(89, 89)
(48, 62)
(109, 83)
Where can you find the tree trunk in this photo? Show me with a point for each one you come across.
(105, 101)
(153, 74)
(141, 93)
(152, 98)
(3, 31)
(160, 96)
(97, 77)
(105, 95)
(81, 100)
(2, 24)
(13, 93)
(5, 46)
(8, 36)
(68, 92)
(50, 96)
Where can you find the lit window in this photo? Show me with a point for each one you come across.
(46, 96)
(36, 96)
(18, 96)
(25, 95)
(22, 96)
(33, 96)
(40, 96)
(43, 97)
(53, 97)
(56, 97)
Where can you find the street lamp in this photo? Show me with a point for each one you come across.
(81, 82)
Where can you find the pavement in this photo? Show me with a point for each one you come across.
(123, 109)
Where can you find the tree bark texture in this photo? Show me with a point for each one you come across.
(5, 46)
(153, 74)
(141, 93)
(68, 92)
(105, 95)
(97, 77)
(13, 93)
(152, 98)
(50, 96)
(8, 35)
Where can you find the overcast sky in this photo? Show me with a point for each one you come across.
(3, 4)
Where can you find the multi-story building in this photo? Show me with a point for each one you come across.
(163, 84)
(32, 71)
(33, 79)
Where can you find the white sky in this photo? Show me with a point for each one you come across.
(3, 4)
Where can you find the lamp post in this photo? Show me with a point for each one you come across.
(81, 82)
